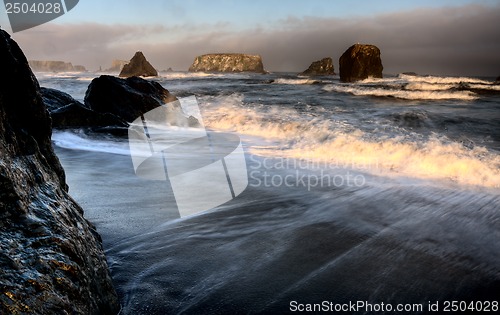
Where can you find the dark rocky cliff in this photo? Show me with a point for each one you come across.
(359, 62)
(51, 258)
(227, 63)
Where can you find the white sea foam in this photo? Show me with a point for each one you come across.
(79, 141)
(424, 86)
(402, 94)
(492, 87)
(295, 81)
(442, 80)
(303, 137)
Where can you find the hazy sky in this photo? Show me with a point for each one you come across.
(449, 37)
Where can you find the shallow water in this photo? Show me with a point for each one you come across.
(351, 197)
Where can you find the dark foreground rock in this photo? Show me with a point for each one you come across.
(127, 98)
(66, 112)
(320, 67)
(360, 62)
(227, 63)
(497, 81)
(138, 66)
(51, 258)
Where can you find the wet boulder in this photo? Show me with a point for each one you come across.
(127, 98)
(66, 112)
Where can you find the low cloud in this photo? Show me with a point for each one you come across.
(450, 41)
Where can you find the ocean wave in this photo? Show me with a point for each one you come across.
(195, 75)
(425, 86)
(306, 137)
(296, 81)
(441, 80)
(77, 140)
(402, 94)
(492, 87)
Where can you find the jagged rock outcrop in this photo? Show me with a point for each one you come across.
(54, 99)
(54, 66)
(227, 63)
(66, 112)
(126, 98)
(51, 258)
(320, 67)
(139, 67)
(117, 65)
(359, 62)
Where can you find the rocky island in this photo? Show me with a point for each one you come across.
(227, 63)
(320, 67)
(138, 67)
(360, 62)
(54, 66)
(117, 65)
(51, 257)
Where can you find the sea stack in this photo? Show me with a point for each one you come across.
(138, 67)
(228, 63)
(360, 62)
(51, 257)
(117, 65)
(54, 66)
(320, 67)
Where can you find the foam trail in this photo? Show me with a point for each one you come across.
(442, 80)
(402, 94)
(296, 81)
(299, 136)
(79, 141)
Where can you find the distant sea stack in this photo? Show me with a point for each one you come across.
(359, 62)
(138, 67)
(51, 257)
(227, 63)
(117, 65)
(54, 66)
(320, 67)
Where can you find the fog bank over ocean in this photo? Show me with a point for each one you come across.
(459, 40)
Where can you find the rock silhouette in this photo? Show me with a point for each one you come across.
(125, 98)
(359, 62)
(138, 66)
(51, 257)
(320, 67)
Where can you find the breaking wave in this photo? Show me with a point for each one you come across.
(413, 87)
(408, 94)
(295, 135)
(296, 81)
